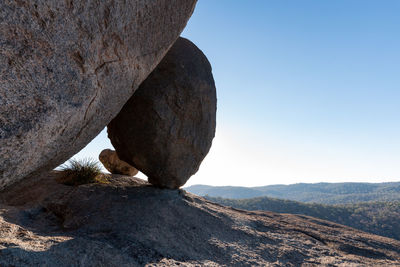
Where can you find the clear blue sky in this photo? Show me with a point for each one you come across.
(308, 91)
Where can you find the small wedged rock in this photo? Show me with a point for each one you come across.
(166, 128)
(68, 67)
(115, 165)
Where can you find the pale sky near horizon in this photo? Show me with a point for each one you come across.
(308, 91)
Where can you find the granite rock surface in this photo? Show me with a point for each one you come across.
(130, 223)
(166, 128)
(68, 67)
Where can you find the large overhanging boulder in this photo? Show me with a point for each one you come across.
(67, 68)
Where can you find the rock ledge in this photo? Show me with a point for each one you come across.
(130, 223)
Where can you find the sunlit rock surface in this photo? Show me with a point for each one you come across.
(130, 223)
(114, 164)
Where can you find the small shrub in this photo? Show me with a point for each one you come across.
(82, 171)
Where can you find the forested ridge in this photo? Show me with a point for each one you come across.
(324, 193)
(381, 218)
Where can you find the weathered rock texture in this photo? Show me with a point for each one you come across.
(113, 164)
(129, 223)
(67, 68)
(166, 128)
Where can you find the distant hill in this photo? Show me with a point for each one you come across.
(324, 193)
(381, 218)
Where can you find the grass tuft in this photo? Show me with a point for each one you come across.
(81, 171)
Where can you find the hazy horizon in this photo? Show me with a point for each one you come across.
(292, 184)
(307, 91)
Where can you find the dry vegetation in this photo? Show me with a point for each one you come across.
(83, 171)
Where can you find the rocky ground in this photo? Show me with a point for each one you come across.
(130, 223)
